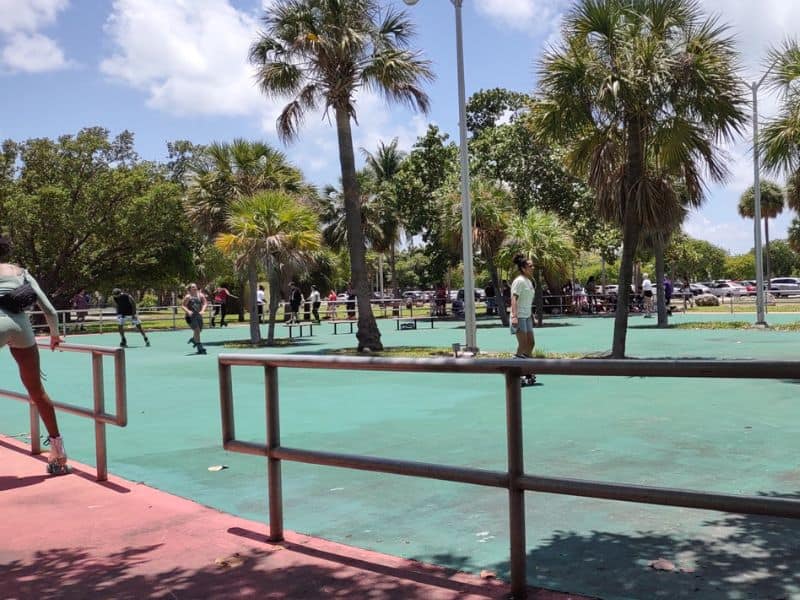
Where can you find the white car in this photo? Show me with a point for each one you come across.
(784, 286)
(726, 289)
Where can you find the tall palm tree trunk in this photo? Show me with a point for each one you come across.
(767, 265)
(393, 271)
(630, 235)
(499, 301)
(274, 299)
(252, 302)
(661, 298)
(369, 336)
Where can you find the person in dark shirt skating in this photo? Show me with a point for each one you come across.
(126, 310)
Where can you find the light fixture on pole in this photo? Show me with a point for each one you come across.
(466, 202)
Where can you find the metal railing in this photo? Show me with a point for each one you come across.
(514, 478)
(98, 413)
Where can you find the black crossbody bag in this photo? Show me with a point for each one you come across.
(18, 299)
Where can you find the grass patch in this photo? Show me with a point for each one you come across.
(244, 344)
(439, 352)
(734, 325)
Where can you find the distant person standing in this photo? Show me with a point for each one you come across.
(194, 305)
(80, 302)
(260, 296)
(522, 292)
(647, 294)
(491, 301)
(331, 312)
(686, 292)
(126, 311)
(315, 300)
(295, 300)
(591, 294)
(351, 302)
(668, 290)
(221, 295)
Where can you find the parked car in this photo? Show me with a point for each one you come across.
(611, 289)
(480, 295)
(699, 288)
(727, 289)
(784, 286)
(748, 285)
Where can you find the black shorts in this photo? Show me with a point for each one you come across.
(194, 321)
(648, 294)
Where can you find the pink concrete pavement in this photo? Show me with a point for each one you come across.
(71, 537)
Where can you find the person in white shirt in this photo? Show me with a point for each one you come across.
(260, 303)
(522, 292)
(647, 293)
(315, 300)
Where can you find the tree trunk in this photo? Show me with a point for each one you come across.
(393, 270)
(369, 336)
(252, 302)
(767, 265)
(499, 302)
(240, 293)
(661, 298)
(630, 235)
(538, 296)
(274, 298)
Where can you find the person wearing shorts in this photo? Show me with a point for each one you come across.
(522, 292)
(126, 311)
(647, 295)
(194, 305)
(16, 332)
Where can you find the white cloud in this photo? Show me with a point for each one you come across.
(29, 15)
(32, 53)
(189, 58)
(534, 16)
(23, 47)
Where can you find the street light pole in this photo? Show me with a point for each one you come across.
(760, 316)
(466, 202)
(759, 251)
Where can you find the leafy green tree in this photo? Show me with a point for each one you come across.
(639, 94)
(740, 266)
(488, 108)
(321, 53)
(85, 211)
(696, 259)
(433, 160)
(783, 259)
(491, 209)
(277, 229)
(772, 202)
(543, 238)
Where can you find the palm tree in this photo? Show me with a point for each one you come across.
(273, 227)
(384, 165)
(545, 239)
(639, 94)
(772, 202)
(780, 142)
(491, 207)
(333, 214)
(227, 172)
(321, 53)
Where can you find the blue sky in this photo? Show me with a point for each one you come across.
(177, 69)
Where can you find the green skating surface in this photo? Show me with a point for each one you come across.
(736, 436)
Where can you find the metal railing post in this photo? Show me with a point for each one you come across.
(36, 446)
(273, 464)
(99, 409)
(516, 495)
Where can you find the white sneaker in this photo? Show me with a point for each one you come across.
(57, 461)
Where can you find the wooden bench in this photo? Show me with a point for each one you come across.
(413, 322)
(299, 326)
(336, 324)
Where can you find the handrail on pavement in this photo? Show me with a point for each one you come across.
(514, 478)
(98, 414)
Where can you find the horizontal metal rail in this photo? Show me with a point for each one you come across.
(514, 479)
(98, 413)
